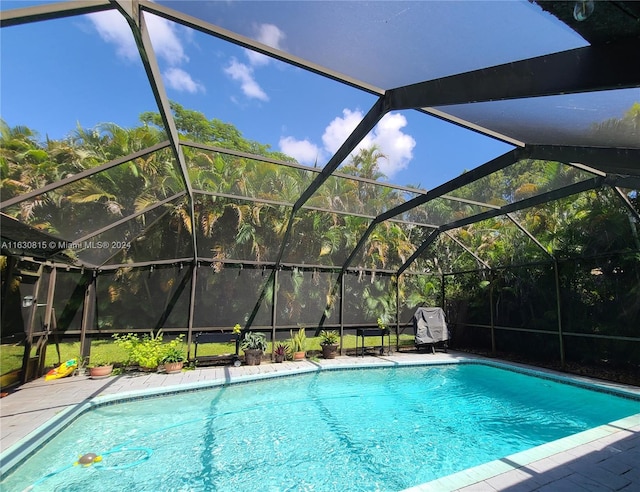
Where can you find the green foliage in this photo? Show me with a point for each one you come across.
(173, 354)
(10, 358)
(146, 351)
(254, 341)
(590, 224)
(97, 361)
(299, 340)
(149, 350)
(173, 351)
(329, 337)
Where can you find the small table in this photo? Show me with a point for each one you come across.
(374, 332)
(219, 337)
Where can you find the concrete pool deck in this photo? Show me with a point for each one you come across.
(606, 458)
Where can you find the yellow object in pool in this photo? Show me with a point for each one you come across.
(88, 459)
(62, 370)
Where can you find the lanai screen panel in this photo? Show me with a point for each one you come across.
(386, 43)
(323, 238)
(525, 297)
(599, 119)
(446, 254)
(342, 194)
(390, 245)
(216, 172)
(164, 236)
(68, 300)
(368, 296)
(418, 290)
(226, 295)
(235, 229)
(592, 223)
(523, 179)
(469, 285)
(247, 101)
(307, 297)
(498, 241)
(78, 209)
(443, 210)
(132, 240)
(592, 294)
(142, 299)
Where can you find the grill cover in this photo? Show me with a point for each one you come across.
(430, 326)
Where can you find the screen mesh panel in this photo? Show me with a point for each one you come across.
(226, 295)
(307, 298)
(68, 300)
(142, 298)
(367, 297)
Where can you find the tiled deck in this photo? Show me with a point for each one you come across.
(603, 459)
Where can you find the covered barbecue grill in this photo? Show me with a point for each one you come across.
(430, 328)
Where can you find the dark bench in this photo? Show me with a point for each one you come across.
(361, 333)
(216, 337)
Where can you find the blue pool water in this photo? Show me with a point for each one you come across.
(368, 429)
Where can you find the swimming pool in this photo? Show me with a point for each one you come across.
(369, 429)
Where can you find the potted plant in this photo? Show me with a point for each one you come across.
(280, 352)
(146, 351)
(299, 344)
(329, 343)
(254, 345)
(99, 369)
(173, 358)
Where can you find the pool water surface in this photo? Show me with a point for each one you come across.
(367, 429)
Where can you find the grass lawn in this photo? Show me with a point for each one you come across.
(107, 351)
(10, 357)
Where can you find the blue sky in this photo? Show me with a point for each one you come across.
(85, 70)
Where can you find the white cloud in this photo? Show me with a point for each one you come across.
(113, 28)
(181, 81)
(165, 40)
(387, 135)
(337, 131)
(270, 35)
(304, 151)
(396, 145)
(244, 74)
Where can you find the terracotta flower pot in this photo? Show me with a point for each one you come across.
(298, 355)
(100, 371)
(173, 367)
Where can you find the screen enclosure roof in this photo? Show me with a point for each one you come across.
(550, 79)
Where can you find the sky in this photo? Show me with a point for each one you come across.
(86, 70)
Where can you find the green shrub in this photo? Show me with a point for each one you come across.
(254, 341)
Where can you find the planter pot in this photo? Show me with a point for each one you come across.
(252, 357)
(100, 371)
(279, 358)
(173, 367)
(329, 351)
(298, 355)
